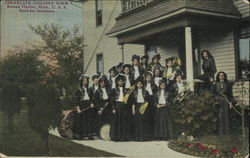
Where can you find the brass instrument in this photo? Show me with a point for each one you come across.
(176, 66)
(130, 90)
(184, 92)
(143, 108)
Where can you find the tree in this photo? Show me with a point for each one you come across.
(44, 110)
(64, 49)
(18, 72)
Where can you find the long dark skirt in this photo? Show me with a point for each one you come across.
(139, 124)
(149, 115)
(84, 125)
(163, 124)
(223, 116)
(105, 117)
(206, 78)
(120, 130)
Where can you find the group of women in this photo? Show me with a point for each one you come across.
(136, 99)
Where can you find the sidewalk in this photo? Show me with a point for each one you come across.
(132, 149)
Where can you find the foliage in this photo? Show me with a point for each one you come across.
(196, 114)
(44, 109)
(63, 48)
(23, 68)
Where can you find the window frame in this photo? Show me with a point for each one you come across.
(97, 63)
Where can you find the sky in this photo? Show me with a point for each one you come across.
(15, 21)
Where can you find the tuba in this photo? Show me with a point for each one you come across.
(130, 90)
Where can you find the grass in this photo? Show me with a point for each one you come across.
(25, 142)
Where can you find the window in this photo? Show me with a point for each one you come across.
(99, 12)
(244, 50)
(99, 64)
(151, 51)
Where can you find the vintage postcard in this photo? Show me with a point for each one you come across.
(124, 78)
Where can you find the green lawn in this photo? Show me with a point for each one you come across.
(25, 142)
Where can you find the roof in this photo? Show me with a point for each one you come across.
(162, 8)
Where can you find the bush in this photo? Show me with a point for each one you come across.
(196, 114)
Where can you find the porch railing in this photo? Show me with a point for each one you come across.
(128, 5)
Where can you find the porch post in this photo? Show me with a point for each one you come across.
(189, 55)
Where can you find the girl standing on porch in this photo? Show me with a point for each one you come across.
(223, 93)
(163, 120)
(157, 75)
(208, 67)
(140, 99)
(170, 71)
(136, 69)
(155, 63)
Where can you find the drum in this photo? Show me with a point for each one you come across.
(104, 132)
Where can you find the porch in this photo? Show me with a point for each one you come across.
(181, 28)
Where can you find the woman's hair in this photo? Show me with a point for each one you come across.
(82, 79)
(158, 68)
(217, 76)
(208, 53)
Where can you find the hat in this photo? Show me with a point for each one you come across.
(96, 76)
(149, 73)
(157, 56)
(82, 77)
(119, 65)
(169, 59)
(139, 79)
(179, 73)
(103, 78)
(120, 77)
(163, 81)
(112, 69)
(126, 65)
(145, 57)
(135, 57)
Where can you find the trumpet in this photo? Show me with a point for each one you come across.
(130, 90)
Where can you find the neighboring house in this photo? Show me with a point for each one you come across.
(171, 28)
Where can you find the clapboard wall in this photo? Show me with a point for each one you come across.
(243, 6)
(222, 46)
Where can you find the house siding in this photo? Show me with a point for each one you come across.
(243, 7)
(108, 46)
(222, 47)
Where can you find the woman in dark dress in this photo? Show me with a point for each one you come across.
(144, 63)
(120, 126)
(136, 69)
(208, 67)
(151, 87)
(84, 121)
(157, 75)
(163, 121)
(155, 63)
(140, 99)
(113, 74)
(102, 99)
(223, 92)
